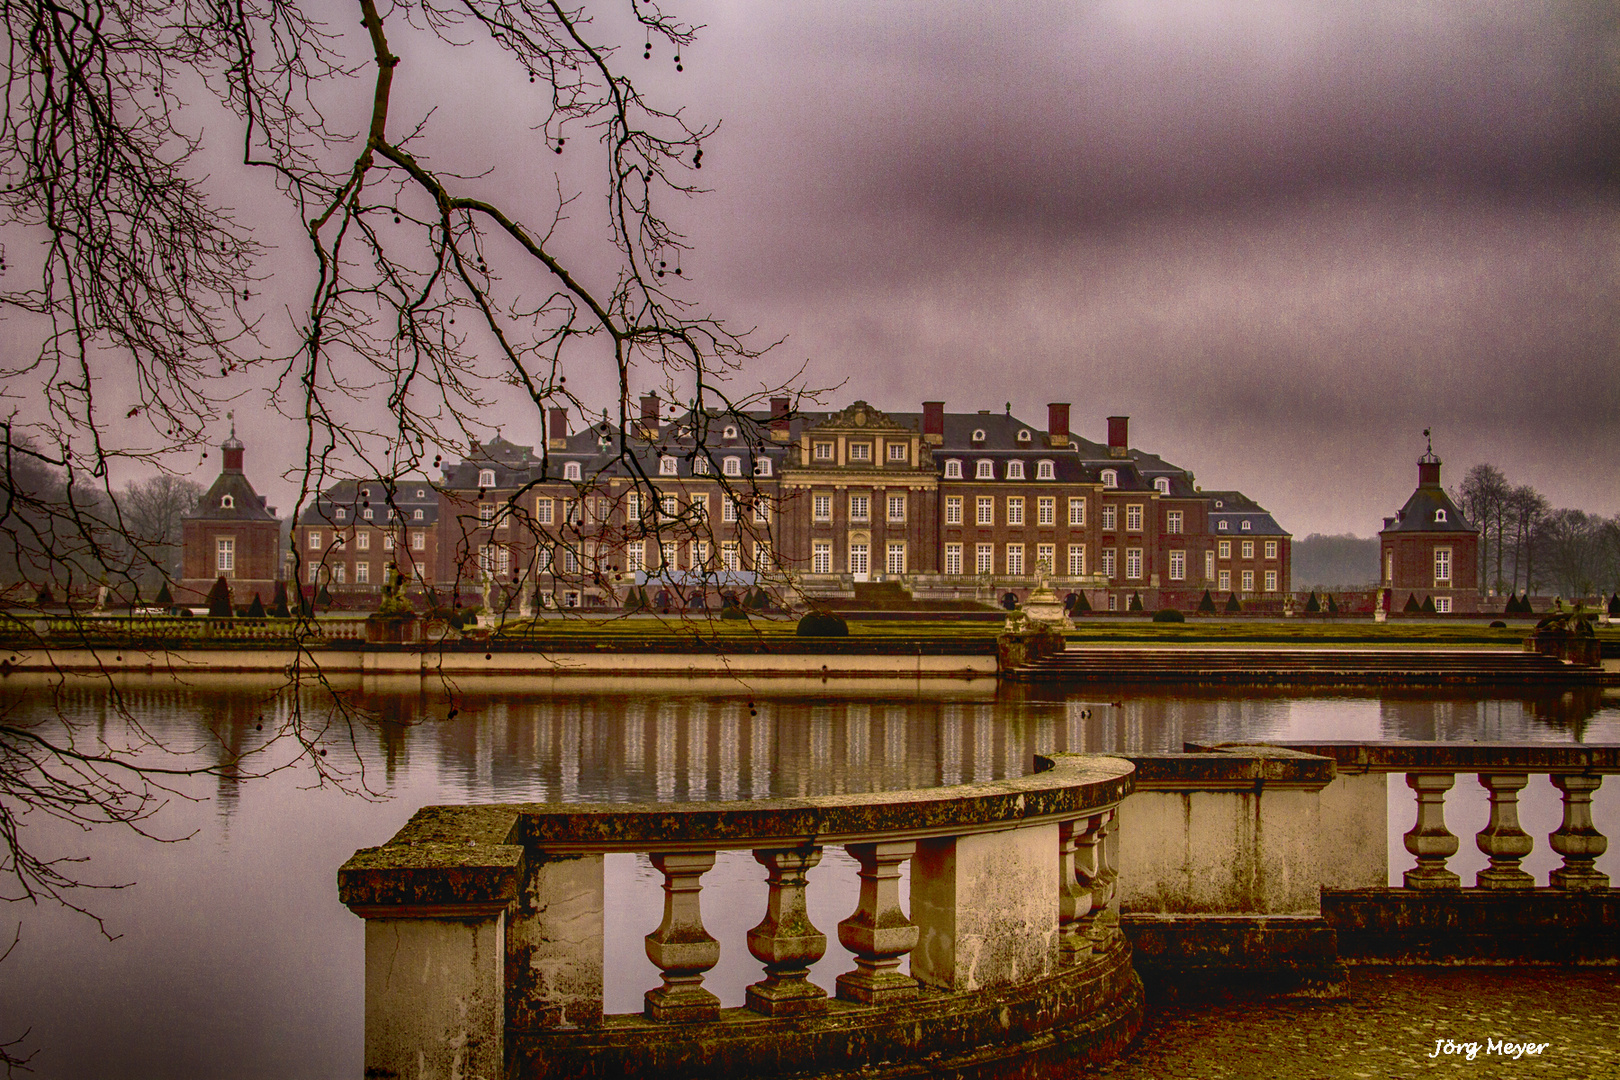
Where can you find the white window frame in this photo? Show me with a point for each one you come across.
(1247, 549)
(1045, 470)
(1223, 549)
(314, 541)
(1172, 521)
(1109, 563)
(1161, 484)
(225, 554)
(1046, 556)
(668, 466)
(362, 541)
(1110, 478)
(362, 573)
(571, 470)
(486, 478)
(418, 540)
(542, 510)
(1015, 470)
(1271, 581)
(860, 451)
(1225, 581)
(1015, 560)
(953, 469)
(1442, 605)
(1248, 582)
(731, 466)
(1110, 517)
(894, 557)
(1046, 510)
(1271, 549)
(762, 466)
(984, 558)
(821, 557)
(1442, 566)
(859, 559)
(1133, 517)
(1077, 560)
(985, 469)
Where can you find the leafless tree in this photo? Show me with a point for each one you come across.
(1483, 498)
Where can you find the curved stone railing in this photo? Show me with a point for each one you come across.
(484, 936)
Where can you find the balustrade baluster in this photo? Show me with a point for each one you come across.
(1577, 839)
(878, 932)
(1429, 839)
(1502, 840)
(1078, 845)
(681, 948)
(785, 940)
(1105, 885)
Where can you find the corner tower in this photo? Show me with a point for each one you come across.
(1429, 550)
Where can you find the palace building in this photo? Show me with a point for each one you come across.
(1429, 550)
(231, 534)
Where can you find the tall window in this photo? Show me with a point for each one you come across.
(225, 555)
(1209, 566)
(728, 508)
(896, 561)
(418, 540)
(821, 507)
(821, 557)
(763, 560)
(542, 509)
(1133, 563)
(1077, 560)
(953, 509)
(1248, 549)
(987, 510)
(338, 574)
(668, 505)
(1389, 566)
(897, 508)
(666, 555)
(1108, 563)
(953, 558)
(1248, 581)
(1133, 517)
(1271, 549)
(632, 507)
(314, 539)
(984, 559)
(486, 478)
(1178, 566)
(700, 506)
(857, 559)
(1015, 560)
(635, 556)
(1015, 509)
(1225, 581)
(730, 555)
(542, 560)
(762, 510)
(700, 555)
(732, 466)
(1046, 510)
(1046, 558)
(1077, 511)
(1442, 566)
(388, 541)
(1172, 521)
(1224, 549)
(860, 508)
(571, 470)
(362, 573)
(667, 466)
(700, 465)
(1271, 581)
(486, 514)
(1109, 517)
(362, 540)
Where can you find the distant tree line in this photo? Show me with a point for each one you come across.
(1527, 546)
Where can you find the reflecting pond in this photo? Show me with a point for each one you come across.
(229, 954)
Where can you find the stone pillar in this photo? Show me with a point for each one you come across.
(681, 948)
(986, 908)
(1577, 839)
(878, 932)
(554, 972)
(1429, 839)
(1502, 841)
(785, 940)
(1078, 843)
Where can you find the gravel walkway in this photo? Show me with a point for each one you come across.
(1388, 1029)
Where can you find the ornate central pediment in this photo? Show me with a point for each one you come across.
(861, 417)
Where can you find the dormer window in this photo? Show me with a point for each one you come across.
(365, 493)
(1219, 504)
(227, 502)
(486, 478)
(953, 470)
(1439, 515)
(1044, 471)
(1023, 436)
(732, 466)
(1220, 526)
(978, 434)
(366, 513)
(1245, 525)
(762, 466)
(1015, 470)
(1110, 478)
(420, 494)
(1162, 485)
(700, 466)
(571, 470)
(666, 466)
(986, 470)
(341, 512)
(730, 432)
(416, 515)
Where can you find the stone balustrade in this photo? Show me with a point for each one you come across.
(484, 936)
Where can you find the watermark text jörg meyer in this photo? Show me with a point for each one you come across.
(1492, 1047)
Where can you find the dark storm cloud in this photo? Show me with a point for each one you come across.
(1284, 236)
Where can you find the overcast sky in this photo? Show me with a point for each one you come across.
(1283, 237)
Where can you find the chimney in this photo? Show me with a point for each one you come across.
(559, 429)
(933, 422)
(1119, 436)
(649, 416)
(781, 426)
(1057, 423)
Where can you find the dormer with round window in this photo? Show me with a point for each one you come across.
(730, 432)
(978, 435)
(227, 502)
(1023, 435)
(1110, 478)
(1439, 515)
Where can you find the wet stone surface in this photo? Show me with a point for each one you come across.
(1397, 1023)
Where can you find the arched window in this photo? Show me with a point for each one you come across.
(1110, 478)
(226, 502)
(700, 465)
(1044, 471)
(666, 466)
(762, 466)
(986, 471)
(571, 470)
(486, 478)
(1015, 470)
(1439, 515)
(732, 466)
(416, 515)
(953, 470)
(365, 493)
(1162, 485)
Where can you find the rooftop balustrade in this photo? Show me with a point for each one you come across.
(485, 925)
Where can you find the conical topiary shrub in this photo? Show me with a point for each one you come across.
(1232, 605)
(1614, 605)
(45, 596)
(324, 597)
(1313, 605)
(1332, 608)
(1206, 606)
(1428, 606)
(278, 602)
(219, 599)
(1082, 606)
(1136, 602)
(256, 609)
(164, 597)
(1412, 606)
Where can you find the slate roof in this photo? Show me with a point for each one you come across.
(1418, 515)
(245, 504)
(355, 497)
(1235, 508)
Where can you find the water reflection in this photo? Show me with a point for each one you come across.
(237, 960)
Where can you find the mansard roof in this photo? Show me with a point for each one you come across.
(231, 498)
(406, 494)
(1421, 510)
(1235, 508)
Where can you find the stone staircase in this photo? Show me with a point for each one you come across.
(1318, 666)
